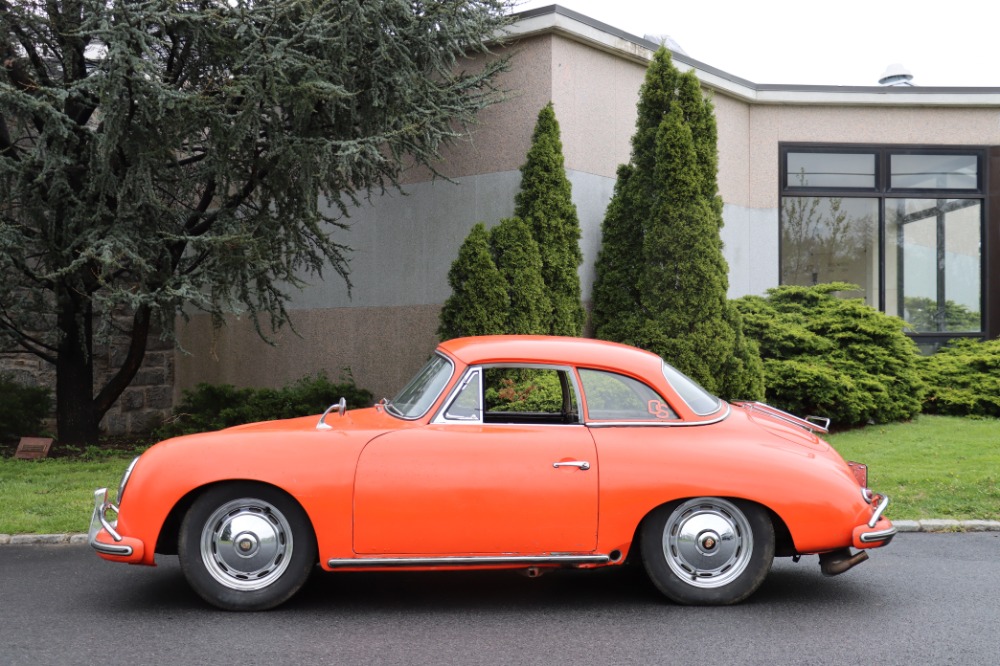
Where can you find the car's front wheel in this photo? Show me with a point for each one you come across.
(246, 546)
(708, 550)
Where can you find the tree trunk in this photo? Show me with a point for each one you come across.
(76, 420)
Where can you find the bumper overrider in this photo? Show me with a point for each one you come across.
(878, 531)
(104, 537)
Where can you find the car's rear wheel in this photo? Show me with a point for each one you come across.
(708, 551)
(245, 546)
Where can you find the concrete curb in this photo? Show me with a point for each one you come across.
(930, 525)
(46, 539)
(941, 525)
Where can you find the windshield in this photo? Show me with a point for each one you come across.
(698, 399)
(418, 396)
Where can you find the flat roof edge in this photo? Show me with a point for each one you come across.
(556, 19)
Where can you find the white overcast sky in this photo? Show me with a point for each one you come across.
(826, 42)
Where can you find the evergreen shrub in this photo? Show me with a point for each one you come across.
(479, 303)
(545, 203)
(661, 279)
(963, 379)
(524, 391)
(833, 357)
(518, 259)
(22, 408)
(209, 407)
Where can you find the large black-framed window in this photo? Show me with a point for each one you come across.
(907, 224)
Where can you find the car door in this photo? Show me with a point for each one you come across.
(481, 480)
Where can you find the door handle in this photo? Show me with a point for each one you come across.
(579, 464)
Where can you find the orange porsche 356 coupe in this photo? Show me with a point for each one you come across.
(502, 452)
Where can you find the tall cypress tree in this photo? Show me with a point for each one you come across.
(479, 304)
(661, 278)
(545, 202)
(615, 299)
(519, 261)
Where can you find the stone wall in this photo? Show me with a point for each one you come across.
(149, 398)
(143, 405)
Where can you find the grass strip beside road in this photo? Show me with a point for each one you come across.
(55, 496)
(932, 467)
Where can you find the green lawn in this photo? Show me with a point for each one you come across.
(933, 467)
(55, 496)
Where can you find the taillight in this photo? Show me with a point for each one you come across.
(860, 471)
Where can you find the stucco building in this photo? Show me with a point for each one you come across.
(896, 189)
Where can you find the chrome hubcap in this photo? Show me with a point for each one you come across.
(246, 544)
(707, 542)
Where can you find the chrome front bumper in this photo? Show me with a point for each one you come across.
(99, 521)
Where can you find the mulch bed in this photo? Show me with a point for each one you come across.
(8, 447)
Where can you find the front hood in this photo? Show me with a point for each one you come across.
(355, 419)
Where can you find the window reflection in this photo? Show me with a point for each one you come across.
(830, 239)
(933, 276)
(844, 217)
(842, 170)
(934, 172)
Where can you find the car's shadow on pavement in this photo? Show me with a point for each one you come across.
(558, 590)
(164, 588)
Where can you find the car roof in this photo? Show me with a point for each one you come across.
(552, 349)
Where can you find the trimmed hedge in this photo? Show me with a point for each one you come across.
(22, 408)
(215, 406)
(834, 357)
(963, 379)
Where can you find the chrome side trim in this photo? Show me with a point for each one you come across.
(881, 535)
(467, 561)
(879, 510)
(659, 424)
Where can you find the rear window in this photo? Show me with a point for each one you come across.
(694, 396)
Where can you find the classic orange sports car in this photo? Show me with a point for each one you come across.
(503, 452)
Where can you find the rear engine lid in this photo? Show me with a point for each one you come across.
(787, 426)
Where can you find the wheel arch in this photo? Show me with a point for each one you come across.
(784, 546)
(167, 540)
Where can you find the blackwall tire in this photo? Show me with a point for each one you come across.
(708, 550)
(246, 547)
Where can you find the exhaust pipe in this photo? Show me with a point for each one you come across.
(838, 561)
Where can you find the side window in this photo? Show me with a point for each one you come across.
(614, 397)
(529, 395)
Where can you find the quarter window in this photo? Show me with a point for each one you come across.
(614, 397)
(512, 394)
